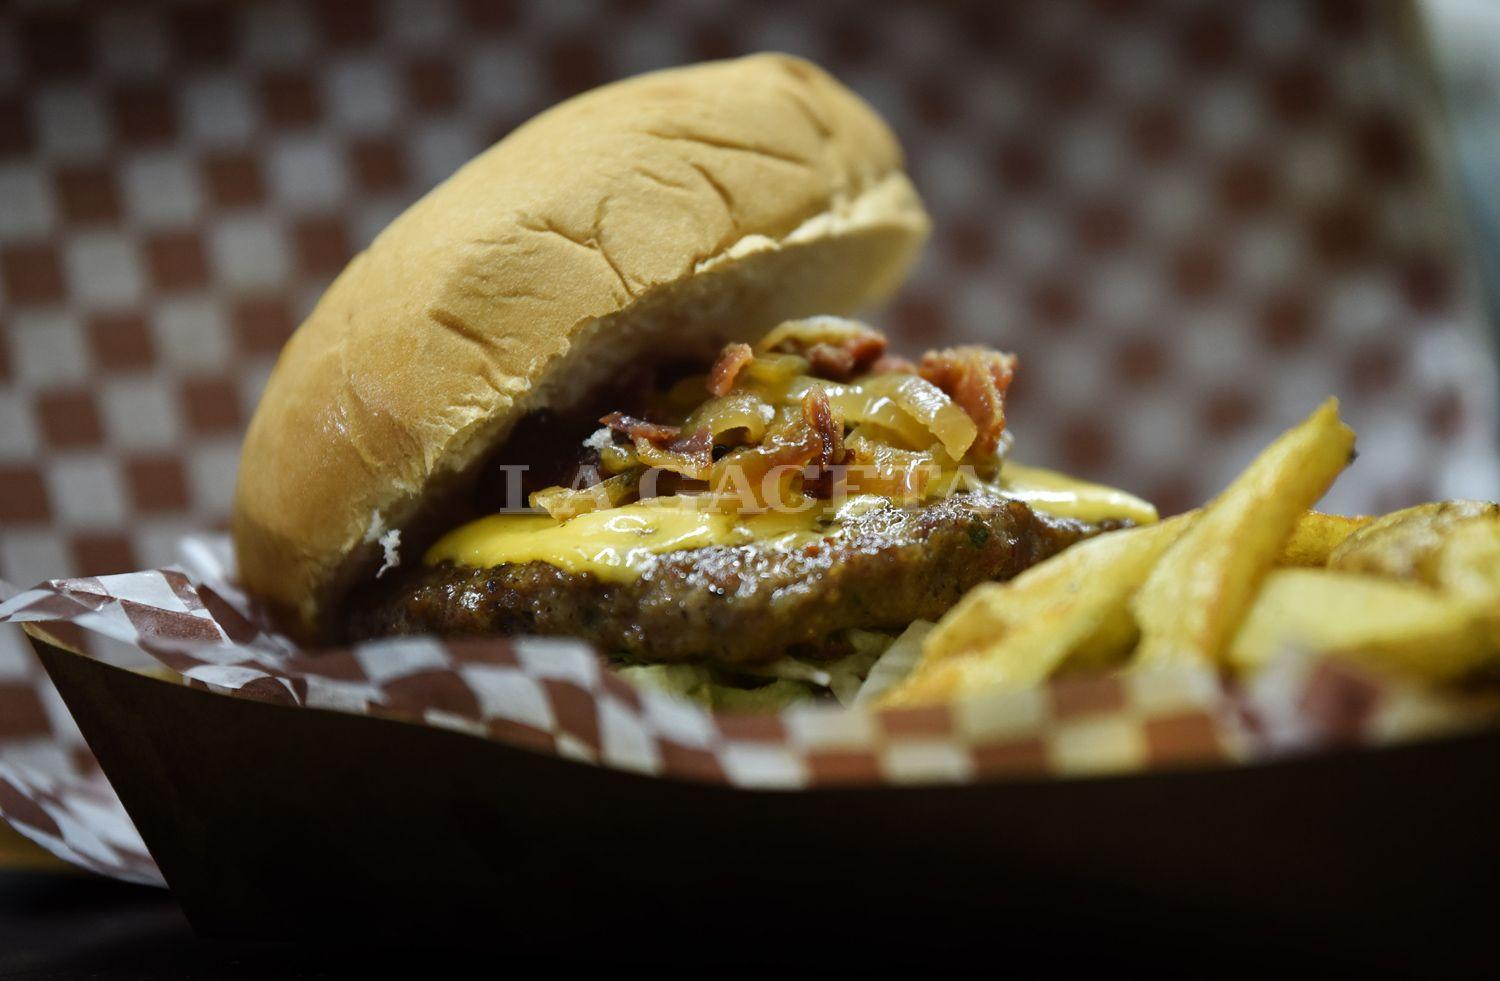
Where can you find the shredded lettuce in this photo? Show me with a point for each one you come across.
(895, 664)
(771, 686)
(767, 698)
(702, 684)
(841, 676)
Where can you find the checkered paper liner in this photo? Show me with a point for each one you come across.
(1192, 219)
(51, 788)
(558, 697)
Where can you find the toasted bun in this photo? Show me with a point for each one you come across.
(671, 211)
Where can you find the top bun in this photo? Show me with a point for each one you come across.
(673, 211)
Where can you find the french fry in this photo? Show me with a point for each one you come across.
(1382, 623)
(1467, 566)
(1406, 544)
(1192, 603)
(1016, 634)
(1253, 575)
(1316, 536)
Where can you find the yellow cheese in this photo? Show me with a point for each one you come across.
(615, 543)
(1067, 497)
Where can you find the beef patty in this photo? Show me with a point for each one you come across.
(741, 604)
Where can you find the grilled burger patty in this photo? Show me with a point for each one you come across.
(742, 604)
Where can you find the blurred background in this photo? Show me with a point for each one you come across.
(1192, 219)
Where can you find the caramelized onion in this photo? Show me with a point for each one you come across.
(836, 349)
(780, 411)
(664, 447)
(691, 456)
(875, 468)
(977, 379)
(617, 459)
(895, 402)
(800, 335)
(857, 404)
(789, 444)
(563, 503)
(737, 410)
(930, 406)
(775, 370)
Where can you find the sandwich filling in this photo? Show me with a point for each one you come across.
(876, 565)
(801, 494)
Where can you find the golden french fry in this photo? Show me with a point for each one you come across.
(1406, 544)
(1467, 566)
(1017, 633)
(1379, 622)
(1192, 603)
(1316, 536)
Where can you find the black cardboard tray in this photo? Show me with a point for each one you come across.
(277, 822)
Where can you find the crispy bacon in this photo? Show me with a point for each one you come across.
(809, 438)
(741, 476)
(664, 447)
(838, 350)
(889, 363)
(637, 428)
(976, 378)
(826, 426)
(691, 456)
(727, 368)
(812, 439)
(846, 359)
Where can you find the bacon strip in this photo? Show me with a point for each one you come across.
(664, 447)
(889, 363)
(826, 426)
(691, 456)
(727, 367)
(838, 351)
(976, 378)
(847, 359)
(637, 428)
(814, 440)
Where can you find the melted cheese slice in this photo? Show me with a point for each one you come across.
(615, 544)
(1067, 497)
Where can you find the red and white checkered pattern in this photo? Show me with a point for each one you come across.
(1193, 220)
(51, 788)
(557, 697)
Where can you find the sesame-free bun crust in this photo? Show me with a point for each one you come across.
(673, 211)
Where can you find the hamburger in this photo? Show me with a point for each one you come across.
(601, 383)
